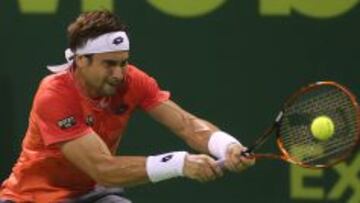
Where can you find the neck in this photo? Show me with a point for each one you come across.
(83, 85)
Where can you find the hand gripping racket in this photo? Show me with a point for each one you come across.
(293, 127)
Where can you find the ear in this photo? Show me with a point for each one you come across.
(81, 61)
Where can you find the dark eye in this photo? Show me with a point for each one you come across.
(124, 63)
(110, 63)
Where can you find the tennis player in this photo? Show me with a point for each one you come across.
(78, 117)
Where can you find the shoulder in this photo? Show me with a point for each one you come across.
(56, 88)
(137, 76)
(56, 81)
(135, 72)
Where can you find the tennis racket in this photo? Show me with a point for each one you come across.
(292, 126)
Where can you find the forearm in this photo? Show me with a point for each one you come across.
(197, 134)
(91, 155)
(207, 138)
(193, 130)
(122, 171)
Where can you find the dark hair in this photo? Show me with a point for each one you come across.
(92, 24)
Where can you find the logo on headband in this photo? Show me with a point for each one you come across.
(118, 40)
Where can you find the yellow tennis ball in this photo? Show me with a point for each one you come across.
(322, 128)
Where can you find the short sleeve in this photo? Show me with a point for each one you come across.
(59, 117)
(151, 94)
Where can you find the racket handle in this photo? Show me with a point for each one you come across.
(221, 162)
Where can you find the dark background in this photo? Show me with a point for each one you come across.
(233, 66)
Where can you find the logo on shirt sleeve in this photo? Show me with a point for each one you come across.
(67, 122)
(90, 120)
(121, 109)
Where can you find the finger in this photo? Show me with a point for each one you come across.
(248, 161)
(234, 158)
(244, 164)
(230, 165)
(205, 171)
(197, 169)
(247, 156)
(241, 167)
(217, 170)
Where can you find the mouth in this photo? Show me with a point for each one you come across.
(109, 89)
(114, 83)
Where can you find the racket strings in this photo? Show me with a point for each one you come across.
(321, 152)
(307, 137)
(311, 151)
(304, 130)
(295, 133)
(295, 111)
(310, 158)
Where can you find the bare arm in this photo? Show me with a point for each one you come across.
(90, 154)
(193, 130)
(197, 132)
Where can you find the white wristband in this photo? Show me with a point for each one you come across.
(165, 166)
(219, 142)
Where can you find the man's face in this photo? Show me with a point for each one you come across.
(104, 72)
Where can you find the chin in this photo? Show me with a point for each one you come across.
(109, 91)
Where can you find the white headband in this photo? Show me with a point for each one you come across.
(109, 42)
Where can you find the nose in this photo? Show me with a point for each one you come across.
(118, 73)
